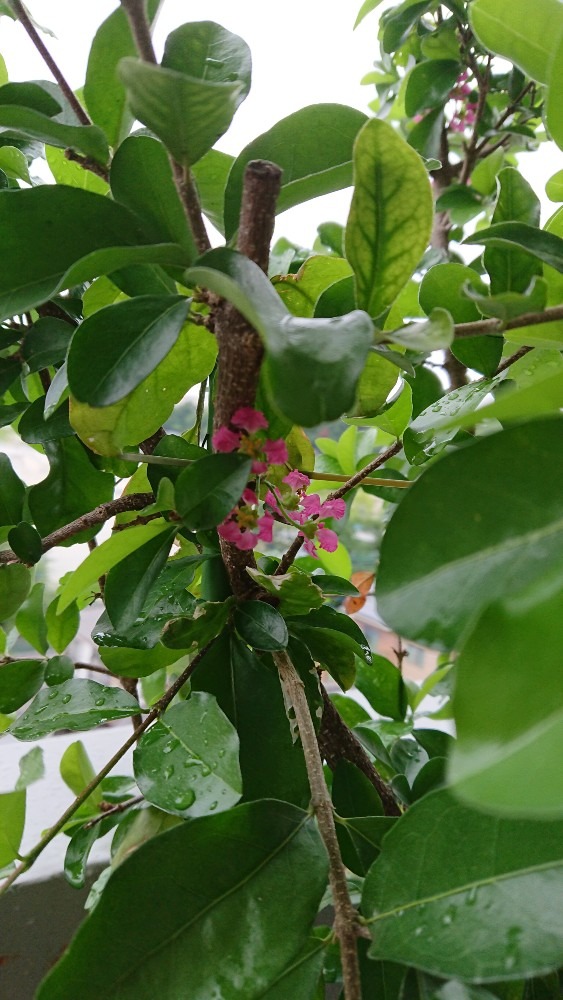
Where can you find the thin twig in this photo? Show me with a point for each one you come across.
(140, 28)
(346, 926)
(497, 327)
(87, 163)
(151, 717)
(520, 353)
(483, 81)
(119, 808)
(27, 24)
(135, 501)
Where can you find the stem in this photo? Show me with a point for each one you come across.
(471, 155)
(152, 716)
(333, 477)
(140, 28)
(87, 163)
(346, 925)
(496, 326)
(135, 501)
(119, 808)
(39, 44)
(199, 410)
(521, 353)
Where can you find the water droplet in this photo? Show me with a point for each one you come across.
(205, 771)
(213, 806)
(184, 799)
(471, 897)
(52, 694)
(221, 753)
(99, 702)
(168, 772)
(41, 709)
(66, 698)
(418, 932)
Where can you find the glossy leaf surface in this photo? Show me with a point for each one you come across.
(249, 894)
(187, 763)
(209, 489)
(499, 891)
(76, 704)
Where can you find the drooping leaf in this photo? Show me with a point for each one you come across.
(434, 592)
(76, 704)
(15, 584)
(313, 147)
(248, 690)
(32, 768)
(12, 493)
(248, 894)
(187, 763)
(57, 236)
(103, 93)
(429, 84)
(77, 771)
(30, 620)
(25, 541)
(62, 625)
(114, 350)
(383, 686)
(513, 270)
(33, 124)
(390, 218)
(58, 669)
(509, 714)
(46, 343)
(129, 582)
(312, 364)
(211, 174)
(538, 243)
(19, 682)
(477, 898)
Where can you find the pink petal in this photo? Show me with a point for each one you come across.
(333, 508)
(249, 497)
(266, 526)
(297, 480)
(276, 451)
(309, 546)
(230, 531)
(327, 539)
(272, 501)
(259, 467)
(311, 504)
(225, 440)
(248, 540)
(248, 419)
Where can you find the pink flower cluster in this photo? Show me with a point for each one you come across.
(465, 113)
(248, 439)
(250, 522)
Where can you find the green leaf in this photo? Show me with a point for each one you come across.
(15, 584)
(334, 640)
(73, 174)
(12, 821)
(211, 174)
(434, 335)
(12, 493)
(187, 763)
(19, 682)
(365, 9)
(248, 691)
(62, 624)
(512, 270)
(300, 292)
(554, 186)
(249, 894)
(30, 620)
(109, 429)
(129, 583)
(78, 852)
(57, 236)
(58, 669)
(76, 704)
(297, 592)
(501, 761)
(25, 121)
(137, 662)
(375, 383)
(14, 163)
(313, 147)
(312, 364)
(141, 179)
(260, 625)
(209, 489)
(77, 771)
(478, 898)
(72, 488)
(26, 542)
(103, 93)
(537, 243)
(349, 710)
(443, 286)
(190, 101)
(209, 622)
(502, 27)
(32, 768)
(383, 686)
(434, 592)
(106, 555)
(46, 343)
(390, 219)
(429, 85)
(438, 423)
(119, 346)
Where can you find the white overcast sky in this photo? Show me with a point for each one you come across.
(304, 52)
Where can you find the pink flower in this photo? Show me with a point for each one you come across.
(309, 546)
(266, 525)
(249, 496)
(328, 540)
(248, 419)
(333, 508)
(259, 468)
(272, 501)
(276, 451)
(297, 480)
(311, 505)
(225, 440)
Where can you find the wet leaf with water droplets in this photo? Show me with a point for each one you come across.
(74, 706)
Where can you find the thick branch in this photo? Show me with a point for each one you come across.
(151, 717)
(39, 44)
(136, 501)
(346, 925)
(240, 347)
(337, 742)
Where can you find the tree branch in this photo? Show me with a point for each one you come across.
(140, 28)
(87, 163)
(346, 926)
(497, 327)
(27, 24)
(151, 717)
(135, 501)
